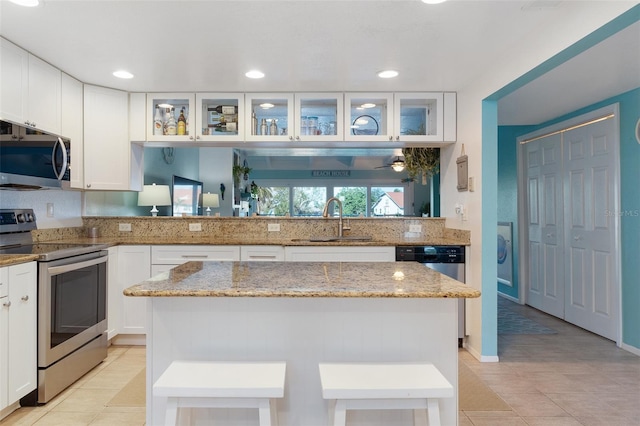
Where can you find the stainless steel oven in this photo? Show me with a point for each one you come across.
(72, 322)
(72, 304)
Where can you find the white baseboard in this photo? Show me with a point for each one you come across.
(129, 340)
(482, 358)
(632, 349)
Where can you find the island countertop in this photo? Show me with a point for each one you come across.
(302, 279)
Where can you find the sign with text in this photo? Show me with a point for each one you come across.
(330, 173)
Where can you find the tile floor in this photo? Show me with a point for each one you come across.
(570, 378)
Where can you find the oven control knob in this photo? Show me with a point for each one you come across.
(20, 217)
(29, 217)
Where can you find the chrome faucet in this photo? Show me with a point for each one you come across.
(325, 212)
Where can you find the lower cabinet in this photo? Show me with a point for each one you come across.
(340, 254)
(18, 333)
(262, 253)
(134, 266)
(114, 295)
(164, 258)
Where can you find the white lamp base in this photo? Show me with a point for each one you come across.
(154, 211)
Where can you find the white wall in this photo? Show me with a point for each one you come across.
(67, 206)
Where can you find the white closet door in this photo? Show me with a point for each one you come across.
(590, 258)
(546, 234)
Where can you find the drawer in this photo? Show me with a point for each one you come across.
(175, 255)
(4, 282)
(262, 253)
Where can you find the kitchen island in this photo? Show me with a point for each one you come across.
(303, 313)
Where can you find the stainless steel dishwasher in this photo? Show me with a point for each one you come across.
(448, 260)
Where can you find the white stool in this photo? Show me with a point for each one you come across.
(363, 386)
(222, 385)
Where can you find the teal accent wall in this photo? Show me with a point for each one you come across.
(489, 229)
(629, 200)
(508, 194)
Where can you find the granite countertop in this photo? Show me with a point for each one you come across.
(302, 279)
(15, 259)
(215, 240)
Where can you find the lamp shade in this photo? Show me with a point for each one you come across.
(154, 195)
(210, 200)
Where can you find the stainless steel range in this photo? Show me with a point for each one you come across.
(72, 303)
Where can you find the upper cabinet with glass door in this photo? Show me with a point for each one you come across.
(220, 117)
(169, 117)
(418, 117)
(368, 117)
(319, 117)
(269, 117)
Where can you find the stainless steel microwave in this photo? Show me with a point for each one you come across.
(32, 159)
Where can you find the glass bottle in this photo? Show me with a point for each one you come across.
(158, 125)
(263, 127)
(273, 127)
(182, 123)
(172, 128)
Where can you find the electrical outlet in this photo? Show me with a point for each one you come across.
(415, 228)
(195, 227)
(273, 227)
(124, 227)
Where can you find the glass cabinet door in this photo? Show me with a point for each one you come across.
(220, 116)
(319, 116)
(169, 117)
(368, 117)
(418, 117)
(273, 118)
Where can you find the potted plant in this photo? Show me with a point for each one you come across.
(238, 171)
(425, 209)
(421, 160)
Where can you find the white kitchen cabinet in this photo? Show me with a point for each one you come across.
(401, 117)
(111, 162)
(164, 258)
(72, 126)
(18, 328)
(30, 89)
(269, 107)
(319, 117)
(137, 117)
(219, 117)
(165, 101)
(134, 266)
(368, 117)
(340, 254)
(114, 295)
(262, 253)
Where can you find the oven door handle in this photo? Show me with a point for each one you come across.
(56, 270)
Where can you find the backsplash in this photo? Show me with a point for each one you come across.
(256, 228)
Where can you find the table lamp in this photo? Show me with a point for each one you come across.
(154, 195)
(210, 200)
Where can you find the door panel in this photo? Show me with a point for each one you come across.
(590, 228)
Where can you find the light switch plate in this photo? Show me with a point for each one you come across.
(124, 227)
(273, 227)
(195, 227)
(415, 228)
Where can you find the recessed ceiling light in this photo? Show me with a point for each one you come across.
(433, 1)
(388, 74)
(255, 74)
(123, 74)
(27, 3)
(368, 105)
(266, 106)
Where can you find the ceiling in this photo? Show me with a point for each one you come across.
(314, 45)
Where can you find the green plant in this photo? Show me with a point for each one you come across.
(425, 208)
(238, 171)
(421, 160)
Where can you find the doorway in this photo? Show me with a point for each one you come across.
(569, 178)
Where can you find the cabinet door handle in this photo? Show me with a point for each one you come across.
(195, 256)
(262, 257)
(390, 138)
(88, 185)
(7, 304)
(297, 138)
(25, 298)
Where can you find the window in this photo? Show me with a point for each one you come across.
(309, 200)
